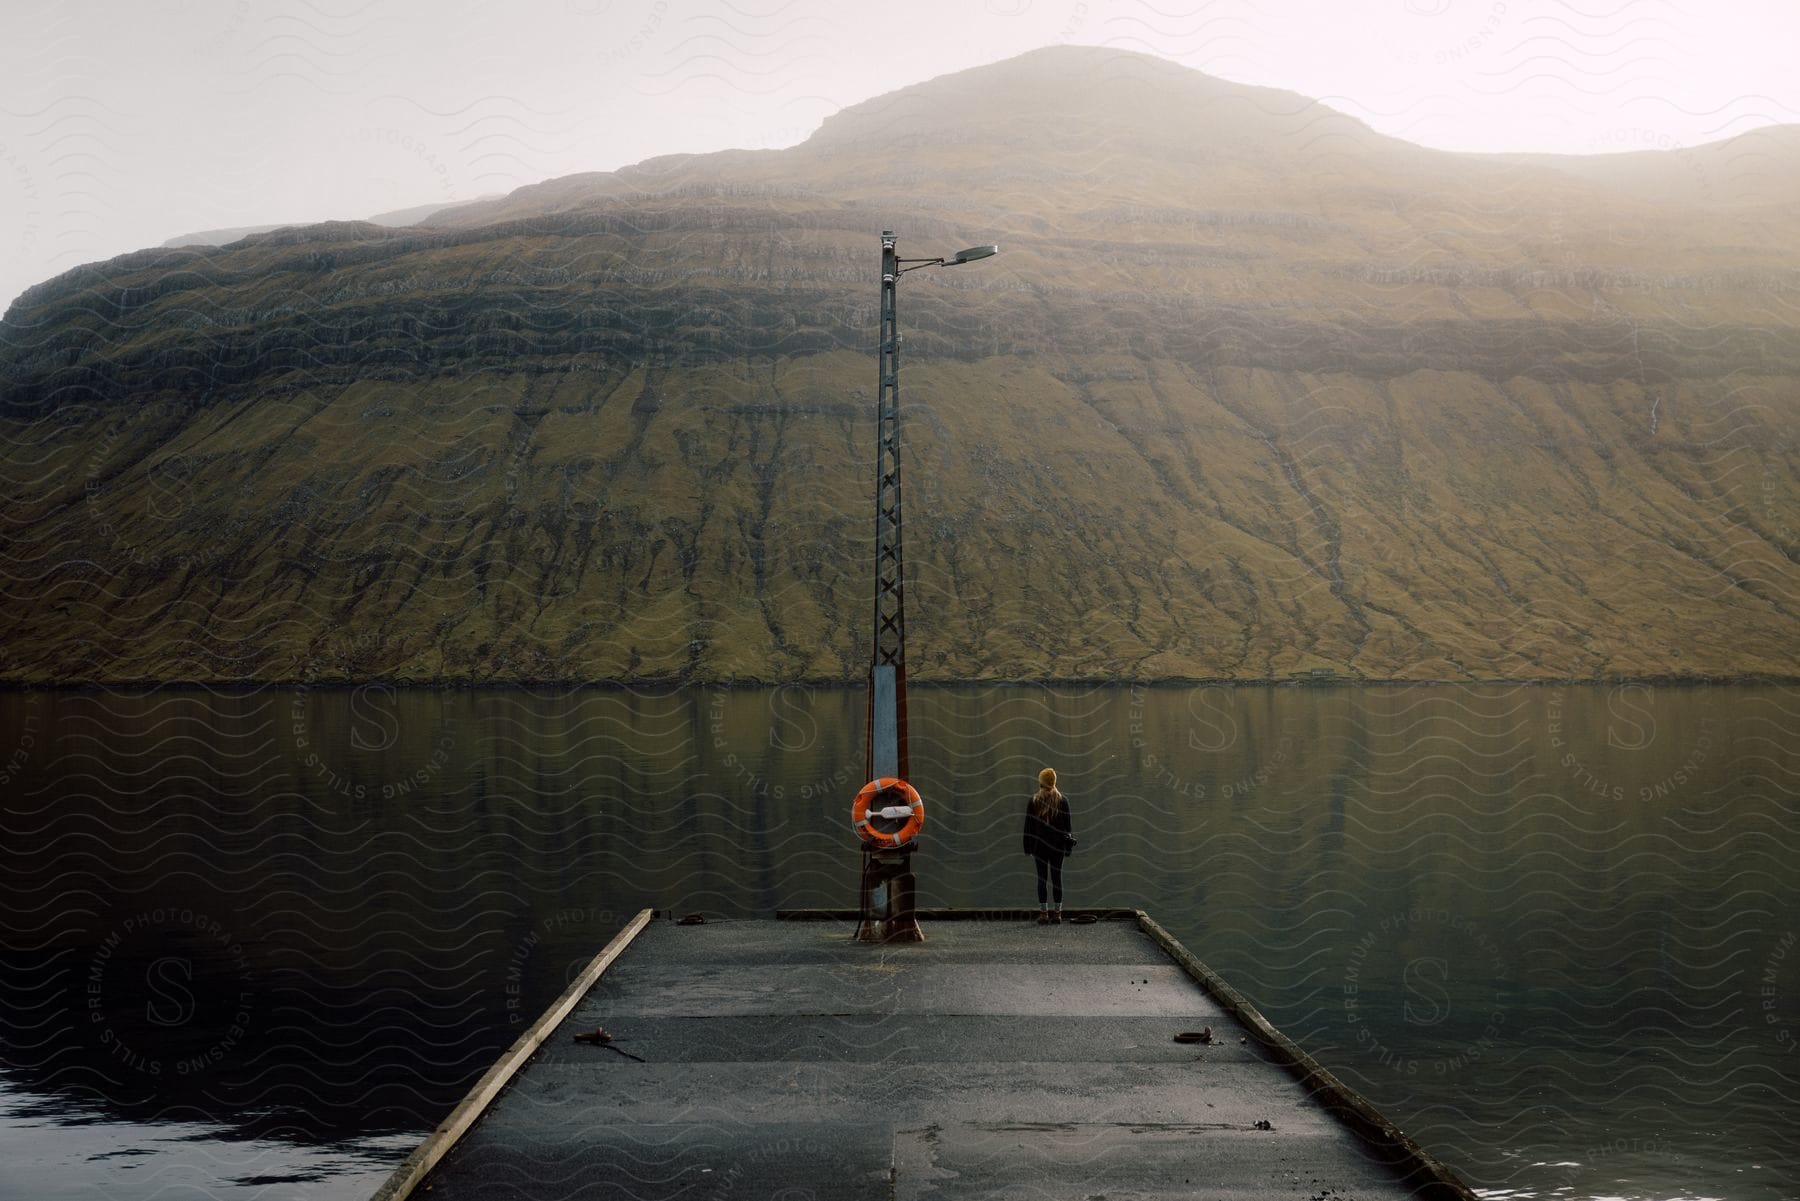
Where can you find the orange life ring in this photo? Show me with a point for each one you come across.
(864, 819)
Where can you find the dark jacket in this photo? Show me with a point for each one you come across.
(1052, 839)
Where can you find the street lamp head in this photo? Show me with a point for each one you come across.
(971, 254)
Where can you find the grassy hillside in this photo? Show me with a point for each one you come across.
(1250, 391)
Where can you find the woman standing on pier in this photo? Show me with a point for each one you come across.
(1049, 836)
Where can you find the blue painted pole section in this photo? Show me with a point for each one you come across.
(885, 724)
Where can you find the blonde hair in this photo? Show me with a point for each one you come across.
(1048, 799)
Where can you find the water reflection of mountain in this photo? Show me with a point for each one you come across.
(1516, 917)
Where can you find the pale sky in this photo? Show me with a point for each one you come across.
(123, 124)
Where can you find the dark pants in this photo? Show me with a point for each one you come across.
(1052, 869)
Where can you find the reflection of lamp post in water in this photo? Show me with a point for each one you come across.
(887, 836)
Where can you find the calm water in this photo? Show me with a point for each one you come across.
(257, 944)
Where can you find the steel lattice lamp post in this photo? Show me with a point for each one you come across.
(887, 834)
(885, 746)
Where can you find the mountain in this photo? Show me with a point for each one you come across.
(1251, 391)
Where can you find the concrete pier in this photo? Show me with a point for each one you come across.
(779, 1058)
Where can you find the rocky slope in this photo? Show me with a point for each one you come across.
(1250, 391)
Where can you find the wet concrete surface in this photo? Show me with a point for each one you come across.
(996, 1059)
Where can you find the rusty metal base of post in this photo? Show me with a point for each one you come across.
(888, 910)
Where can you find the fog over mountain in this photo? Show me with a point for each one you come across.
(224, 237)
(1251, 391)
